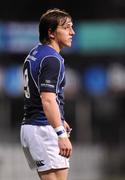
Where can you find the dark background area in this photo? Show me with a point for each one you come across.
(81, 10)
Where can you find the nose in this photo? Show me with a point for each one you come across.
(72, 31)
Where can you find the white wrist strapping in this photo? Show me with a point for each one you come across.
(61, 132)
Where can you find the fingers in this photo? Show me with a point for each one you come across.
(65, 147)
(68, 153)
(65, 152)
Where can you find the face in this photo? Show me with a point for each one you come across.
(64, 33)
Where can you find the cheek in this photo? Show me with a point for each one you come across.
(62, 37)
(63, 41)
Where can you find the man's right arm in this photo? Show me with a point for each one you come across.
(51, 110)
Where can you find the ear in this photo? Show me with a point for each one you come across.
(51, 34)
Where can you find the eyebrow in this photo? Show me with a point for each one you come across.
(68, 23)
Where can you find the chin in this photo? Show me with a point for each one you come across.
(69, 45)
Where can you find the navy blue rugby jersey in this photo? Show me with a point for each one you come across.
(43, 71)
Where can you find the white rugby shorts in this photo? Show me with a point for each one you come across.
(40, 145)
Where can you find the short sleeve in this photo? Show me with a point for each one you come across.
(49, 75)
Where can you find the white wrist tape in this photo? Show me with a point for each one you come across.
(61, 132)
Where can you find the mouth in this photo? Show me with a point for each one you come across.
(70, 39)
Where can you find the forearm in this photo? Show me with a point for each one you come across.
(52, 112)
(51, 109)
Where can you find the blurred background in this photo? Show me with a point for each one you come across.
(94, 93)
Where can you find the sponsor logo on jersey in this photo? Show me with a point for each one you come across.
(47, 85)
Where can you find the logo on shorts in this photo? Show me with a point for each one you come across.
(40, 163)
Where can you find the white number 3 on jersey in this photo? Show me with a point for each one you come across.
(26, 84)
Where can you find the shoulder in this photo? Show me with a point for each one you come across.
(51, 61)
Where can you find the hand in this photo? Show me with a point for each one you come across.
(65, 147)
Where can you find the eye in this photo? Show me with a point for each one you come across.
(68, 27)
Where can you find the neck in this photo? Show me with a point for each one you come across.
(54, 46)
